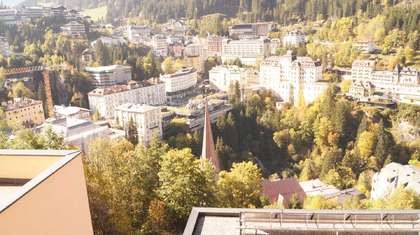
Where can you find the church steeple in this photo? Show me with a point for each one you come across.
(208, 150)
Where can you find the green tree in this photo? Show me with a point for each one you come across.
(168, 66)
(319, 202)
(183, 184)
(241, 187)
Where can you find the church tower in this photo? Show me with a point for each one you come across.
(208, 150)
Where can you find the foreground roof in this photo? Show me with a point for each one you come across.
(278, 221)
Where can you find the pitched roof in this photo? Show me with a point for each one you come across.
(284, 187)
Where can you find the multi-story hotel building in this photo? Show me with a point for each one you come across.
(403, 84)
(180, 80)
(250, 50)
(104, 100)
(109, 75)
(146, 119)
(25, 111)
(4, 46)
(74, 29)
(294, 39)
(159, 45)
(293, 78)
(137, 33)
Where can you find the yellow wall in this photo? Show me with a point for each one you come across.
(24, 167)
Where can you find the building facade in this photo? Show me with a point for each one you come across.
(104, 100)
(294, 39)
(137, 33)
(146, 119)
(214, 45)
(74, 29)
(248, 51)
(225, 76)
(402, 84)
(293, 78)
(159, 45)
(109, 75)
(24, 111)
(179, 81)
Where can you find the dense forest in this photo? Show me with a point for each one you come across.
(282, 11)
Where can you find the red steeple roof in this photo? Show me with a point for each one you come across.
(208, 150)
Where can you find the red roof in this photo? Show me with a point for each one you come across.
(284, 187)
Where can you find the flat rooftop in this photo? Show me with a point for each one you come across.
(23, 170)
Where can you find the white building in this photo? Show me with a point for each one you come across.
(392, 176)
(159, 45)
(180, 80)
(292, 78)
(61, 111)
(225, 76)
(109, 75)
(275, 44)
(110, 41)
(403, 84)
(250, 51)
(147, 120)
(104, 100)
(137, 33)
(74, 28)
(294, 39)
(8, 16)
(80, 132)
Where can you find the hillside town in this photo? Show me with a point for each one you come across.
(324, 122)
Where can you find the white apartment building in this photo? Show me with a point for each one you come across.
(109, 75)
(8, 16)
(159, 45)
(294, 39)
(392, 176)
(224, 76)
(74, 29)
(292, 78)
(137, 33)
(180, 80)
(147, 120)
(250, 51)
(104, 100)
(403, 84)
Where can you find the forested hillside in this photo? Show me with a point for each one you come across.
(282, 11)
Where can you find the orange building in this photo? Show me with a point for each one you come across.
(43, 192)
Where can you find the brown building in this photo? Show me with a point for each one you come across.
(214, 45)
(43, 192)
(25, 111)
